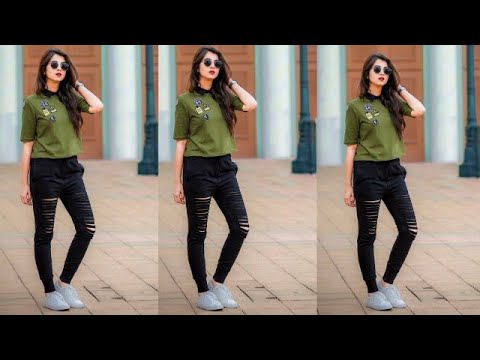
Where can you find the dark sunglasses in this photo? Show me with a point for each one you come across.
(378, 68)
(63, 65)
(218, 63)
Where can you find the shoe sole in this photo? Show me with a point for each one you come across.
(46, 307)
(386, 309)
(220, 309)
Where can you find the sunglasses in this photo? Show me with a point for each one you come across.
(378, 68)
(218, 63)
(63, 65)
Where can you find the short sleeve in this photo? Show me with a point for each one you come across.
(182, 122)
(405, 109)
(237, 103)
(82, 104)
(352, 126)
(29, 122)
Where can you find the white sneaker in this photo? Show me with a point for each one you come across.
(223, 295)
(392, 294)
(378, 301)
(55, 301)
(70, 295)
(208, 301)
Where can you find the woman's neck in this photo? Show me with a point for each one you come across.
(375, 89)
(52, 85)
(205, 84)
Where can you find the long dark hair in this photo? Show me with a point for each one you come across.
(66, 90)
(219, 91)
(388, 97)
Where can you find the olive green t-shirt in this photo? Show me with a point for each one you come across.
(45, 121)
(199, 119)
(369, 125)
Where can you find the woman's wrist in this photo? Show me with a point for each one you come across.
(400, 88)
(78, 84)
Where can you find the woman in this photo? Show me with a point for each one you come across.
(51, 122)
(374, 139)
(204, 133)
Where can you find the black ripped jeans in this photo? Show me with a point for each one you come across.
(374, 181)
(204, 178)
(50, 180)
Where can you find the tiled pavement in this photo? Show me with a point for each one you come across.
(119, 274)
(275, 272)
(441, 274)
